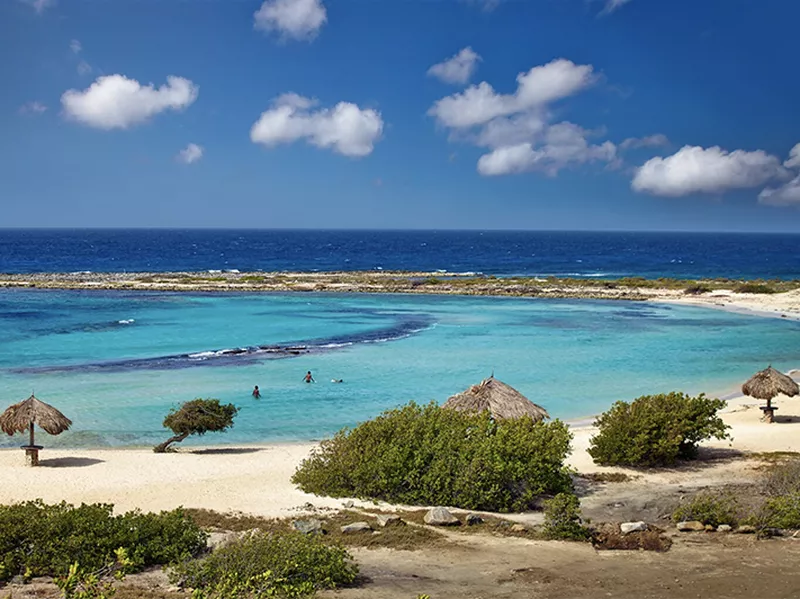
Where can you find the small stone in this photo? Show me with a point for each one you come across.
(348, 504)
(308, 526)
(709, 528)
(691, 526)
(18, 579)
(440, 516)
(473, 519)
(309, 506)
(745, 529)
(796, 535)
(724, 528)
(356, 527)
(629, 527)
(218, 540)
(385, 520)
(518, 528)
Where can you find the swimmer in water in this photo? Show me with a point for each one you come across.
(308, 378)
(256, 393)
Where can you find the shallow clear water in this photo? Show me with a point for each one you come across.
(116, 362)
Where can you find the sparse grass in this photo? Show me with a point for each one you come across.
(406, 538)
(775, 457)
(610, 538)
(608, 477)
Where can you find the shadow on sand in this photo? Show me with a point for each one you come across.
(69, 462)
(226, 450)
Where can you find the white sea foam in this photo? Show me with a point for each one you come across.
(126, 321)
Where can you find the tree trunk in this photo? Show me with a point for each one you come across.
(162, 448)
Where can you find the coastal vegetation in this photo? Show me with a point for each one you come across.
(426, 455)
(285, 564)
(37, 539)
(710, 508)
(197, 417)
(656, 430)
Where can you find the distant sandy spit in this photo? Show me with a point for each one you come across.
(257, 479)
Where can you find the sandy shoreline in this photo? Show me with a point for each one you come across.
(256, 479)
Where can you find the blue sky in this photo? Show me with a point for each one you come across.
(552, 114)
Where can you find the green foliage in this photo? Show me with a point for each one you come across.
(697, 289)
(197, 417)
(426, 455)
(46, 540)
(753, 288)
(278, 564)
(656, 430)
(708, 508)
(782, 511)
(80, 584)
(562, 519)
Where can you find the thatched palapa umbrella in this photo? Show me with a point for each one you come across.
(767, 384)
(23, 415)
(502, 401)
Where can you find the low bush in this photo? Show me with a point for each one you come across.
(260, 565)
(426, 455)
(37, 539)
(782, 478)
(696, 289)
(656, 430)
(781, 512)
(562, 519)
(708, 508)
(753, 288)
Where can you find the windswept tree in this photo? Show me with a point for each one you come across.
(197, 417)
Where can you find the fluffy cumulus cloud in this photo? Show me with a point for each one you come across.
(789, 193)
(345, 128)
(693, 169)
(479, 104)
(517, 128)
(564, 144)
(295, 19)
(34, 107)
(456, 69)
(116, 102)
(191, 153)
(794, 158)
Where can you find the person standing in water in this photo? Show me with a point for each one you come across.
(308, 378)
(256, 393)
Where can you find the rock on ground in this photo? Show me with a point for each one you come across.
(628, 527)
(385, 520)
(440, 516)
(691, 526)
(356, 527)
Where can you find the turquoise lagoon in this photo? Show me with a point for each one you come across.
(116, 362)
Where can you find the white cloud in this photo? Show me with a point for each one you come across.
(613, 5)
(34, 107)
(785, 195)
(456, 69)
(479, 104)
(191, 153)
(297, 19)
(563, 145)
(40, 5)
(650, 141)
(706, 170)
(794, 158)
(75, 46)
(84, 68)
(345, 128)
(116, 102)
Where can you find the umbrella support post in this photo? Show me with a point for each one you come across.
(32, 454)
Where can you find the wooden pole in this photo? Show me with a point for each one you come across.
(31, 443)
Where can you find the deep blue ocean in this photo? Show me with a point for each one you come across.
(542, 253)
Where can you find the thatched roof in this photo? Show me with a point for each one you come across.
(19, 417)
(768, 383)
(500, 399)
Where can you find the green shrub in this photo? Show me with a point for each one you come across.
(656, 430)
(277, 564)
(696, 289)
(562, 519)
(426, 455)
(45, 540)
(708, 508)
(753, 288)
(782, 511)
(197, 417)
(782, 479)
